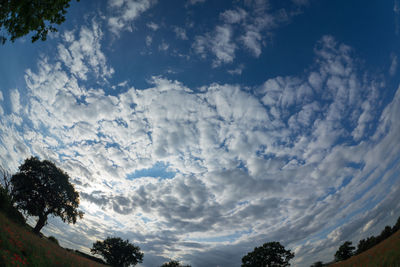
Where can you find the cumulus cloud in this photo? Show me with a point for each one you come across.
(246, 27)
(180, 33)
(153, 26)
(15, 101)
(393, 64)
(125, 12)
(291, 158)
(219, 43)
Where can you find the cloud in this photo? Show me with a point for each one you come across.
(180, 33)
(237, 71)
(246, 27)
(218, 43)
(233, 16)
(153, 26)
(163, 46)
(80, 55)
(149, 40)
(125, 12)
(396, 10)
(15, 101)
(393, 65)
(194, 2)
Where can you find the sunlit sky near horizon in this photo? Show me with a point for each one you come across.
(199, 129)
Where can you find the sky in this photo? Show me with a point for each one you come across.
(201, 129)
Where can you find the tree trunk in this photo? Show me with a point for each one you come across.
(40, 223)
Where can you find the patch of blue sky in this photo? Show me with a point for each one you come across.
(224, 238)
(158, 170)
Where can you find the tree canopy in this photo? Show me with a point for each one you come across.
(20, 17)
(269, 254)
(117, 252)
(174, 263)
(345, 251)
(41, 189)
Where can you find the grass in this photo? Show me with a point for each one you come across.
(386, 253)
(20, 247)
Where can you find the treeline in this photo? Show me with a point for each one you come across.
(371, 241)
(346, 250)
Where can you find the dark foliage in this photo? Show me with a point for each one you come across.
(20, 17)
(6, 206)
(41, 189)
(366, 244)
(6, 200)
(269, 254)
(345, 251)
(90, 257)
(317, 264)
(117, 252)
(387, 232)
(396, 227)
(174, 263)
(53, 239)
(371, 241)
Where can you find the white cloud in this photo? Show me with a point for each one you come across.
(149, 40)
(233, 16)
(218, 43)
(393, 65)
(237, 71)
(82, 54)
(163, 46)
(248, 27)
(193, 2)
(180, 33)
(153, 26)
(15, 101)
(125, 12)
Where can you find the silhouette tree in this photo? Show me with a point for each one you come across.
(174, 263)
(317, 264)
(386, 232)
(269, 254)
(20, 17)
(345, 251)
(41, 189)
(396, 227)
(117, 252)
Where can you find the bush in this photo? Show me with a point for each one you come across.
(53, 239)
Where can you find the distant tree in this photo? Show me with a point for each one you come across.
(41, 189)
(396, 227)
(6, 199)
(387, 232)
(117, 252)
(174, 263)
(53, 239)
(20, 17)
(344, 252)
(5, 180)
(317, 264)
(269, 254)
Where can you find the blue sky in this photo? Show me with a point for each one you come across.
(200, 129)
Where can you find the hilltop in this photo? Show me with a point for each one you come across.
(386, 253)
(20, 247)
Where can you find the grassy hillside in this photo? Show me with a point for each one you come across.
(386, 253)
(20, 247)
